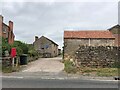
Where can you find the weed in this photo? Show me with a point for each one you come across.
(69, 67)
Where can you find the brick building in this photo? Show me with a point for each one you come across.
(6, 31)
(74, 39)
(45, 46)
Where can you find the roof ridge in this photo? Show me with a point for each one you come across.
(49, 39)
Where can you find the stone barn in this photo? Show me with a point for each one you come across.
(115, 29)
(45, 46)
(74, 39)
(116, 33)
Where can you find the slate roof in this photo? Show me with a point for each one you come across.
(88, 34)
(116, 26)
(50, 40)
(47, 39)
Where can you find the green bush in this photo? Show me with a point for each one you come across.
(116, 65)
(21, 47)
(5, 46)
(31, 51)
(7, 69)
(69, 67)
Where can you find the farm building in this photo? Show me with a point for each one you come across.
(116, 33)
(46, 47)
(74, 39)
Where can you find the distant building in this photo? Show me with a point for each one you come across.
(45, 46)
(6, 31)
(74, 39)
(116, 32)
(59, 52)
(115, 29)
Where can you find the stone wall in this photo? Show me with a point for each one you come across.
(100, 56)
(115, 29)
(71, 45)
(44, 45)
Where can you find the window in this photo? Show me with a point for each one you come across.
(46, 46)
(42, 48)
(4, 30)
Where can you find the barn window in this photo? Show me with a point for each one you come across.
(42, 48)
(4, 30)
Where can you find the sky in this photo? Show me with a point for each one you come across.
(51, 18)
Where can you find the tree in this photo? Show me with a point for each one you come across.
(5, 46)
(21, 47)
(31, 50)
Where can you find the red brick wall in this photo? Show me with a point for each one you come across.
(9, 30)
(1, 21)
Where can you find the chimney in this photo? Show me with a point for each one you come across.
(11, 25)
(36, 38)
(1, 18)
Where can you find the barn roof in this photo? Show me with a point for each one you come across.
(87, 34)
(116, 26)
(50, 40)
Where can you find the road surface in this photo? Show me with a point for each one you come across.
(56, 83)
(48, 73)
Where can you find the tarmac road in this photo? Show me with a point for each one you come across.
(56, 83)
(48, 73)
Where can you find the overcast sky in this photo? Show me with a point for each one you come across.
(52, 18)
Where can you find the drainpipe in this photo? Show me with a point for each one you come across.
(89, 41)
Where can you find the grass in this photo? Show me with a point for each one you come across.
(69, 67)
(9, 69)
(99, 71)
(107, 72)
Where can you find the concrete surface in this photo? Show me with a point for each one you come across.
(45, 65)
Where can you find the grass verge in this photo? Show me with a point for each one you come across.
(69, 67)
(10, 69)
(87, 71)
(107, 72)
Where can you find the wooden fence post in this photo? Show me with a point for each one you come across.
(13, 59)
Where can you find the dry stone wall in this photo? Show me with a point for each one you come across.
(100, 56)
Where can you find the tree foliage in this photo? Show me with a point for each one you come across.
(5, 46)
(31, 50)
(21, 47)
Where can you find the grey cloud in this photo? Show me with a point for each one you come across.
(32, 18)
